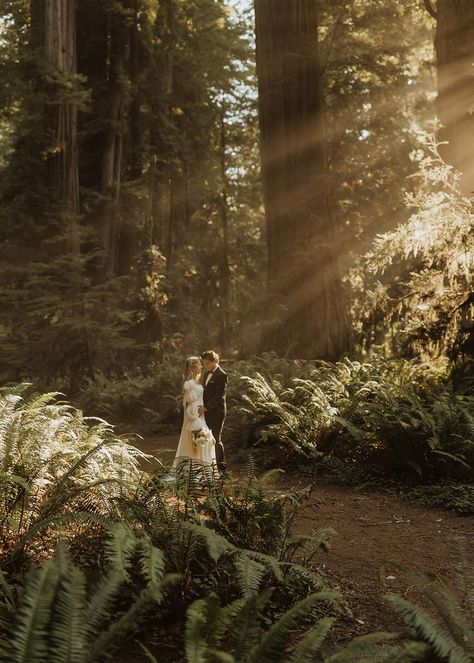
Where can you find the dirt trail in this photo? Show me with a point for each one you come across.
(380, 541)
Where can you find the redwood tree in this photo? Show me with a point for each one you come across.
(60, 52)
(302, 261)
(454, 43)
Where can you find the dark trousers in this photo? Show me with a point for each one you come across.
(216, 423)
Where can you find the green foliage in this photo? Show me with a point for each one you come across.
(175, 550)
(230, 540)
(56, 468)
(58, 325)
(180, 73)
(152, 400)
(234, 633)
(253, 515)
(393, 416)
(449, 634)
(378, 82)
(423, 303)
(53, 614)
(447, 495)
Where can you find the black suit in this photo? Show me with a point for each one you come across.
(214, 402)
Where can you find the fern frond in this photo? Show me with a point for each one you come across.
(246, 631)
(27, 640)
(67, 629)
(429, 630)
(215, 544)
(271, 563)
(121, 626)
(119, 548)
(100, 604)
(197, 619)
(249, 573)
(362, 649)
(311, 642)
(272, 647)
(152, 562)
(56, 522)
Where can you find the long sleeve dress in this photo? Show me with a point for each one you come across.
(192, 421)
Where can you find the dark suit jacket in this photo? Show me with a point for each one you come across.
(214, 395)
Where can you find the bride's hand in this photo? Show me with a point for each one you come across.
(201, 410)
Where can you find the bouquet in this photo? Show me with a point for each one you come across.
(200, 437)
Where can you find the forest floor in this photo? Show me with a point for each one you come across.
(381, 542)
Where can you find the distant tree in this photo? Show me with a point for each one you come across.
(302, 266)
(60, 55)
(454, 43)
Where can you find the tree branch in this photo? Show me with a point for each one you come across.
(430, 9)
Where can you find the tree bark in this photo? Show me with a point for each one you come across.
(110, 219)
(60, 52)
(454, 44)
(302, 265)
(136, 66)
(224, 266)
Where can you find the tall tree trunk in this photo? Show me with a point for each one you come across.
(302, 266)
(224, 266)
(455, 62)
(60, 52)
(136, 66)
(93, 63)
(110, 219)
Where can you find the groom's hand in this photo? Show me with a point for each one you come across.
(201, 410)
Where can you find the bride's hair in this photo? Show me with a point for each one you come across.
(188, 367)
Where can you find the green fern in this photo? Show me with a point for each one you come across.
(54, 618)
(450, 633)
(249, 572)
(240, 624)
(28, 641)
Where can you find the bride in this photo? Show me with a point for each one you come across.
(196, 441)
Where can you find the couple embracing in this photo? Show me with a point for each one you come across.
(204, 413)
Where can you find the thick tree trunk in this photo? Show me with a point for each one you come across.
(302, 265)
(110, 218)
(60, 52)
(93, 56)
(455, 60)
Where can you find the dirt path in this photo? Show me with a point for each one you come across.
(380, 540)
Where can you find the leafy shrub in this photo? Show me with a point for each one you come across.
(458, 497)
(393, 415)
(152, 401)
(231, 541)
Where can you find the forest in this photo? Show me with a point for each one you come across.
(289, 183)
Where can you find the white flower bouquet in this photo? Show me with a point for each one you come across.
(200, 437)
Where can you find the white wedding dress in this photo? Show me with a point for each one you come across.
(203, 453)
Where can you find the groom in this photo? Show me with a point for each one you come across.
(214, 410)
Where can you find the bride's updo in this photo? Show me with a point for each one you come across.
(190, 368)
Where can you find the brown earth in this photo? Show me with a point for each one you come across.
(381, 542)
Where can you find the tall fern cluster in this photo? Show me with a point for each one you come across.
(393, 415)
(56, 468)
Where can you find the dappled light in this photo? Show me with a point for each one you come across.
(237, 331)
